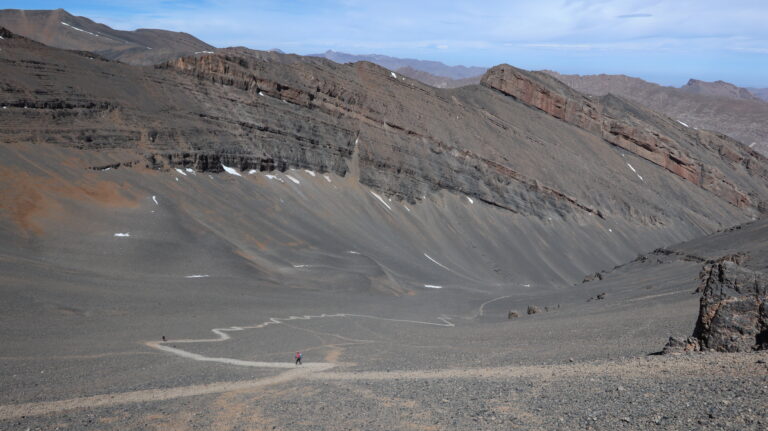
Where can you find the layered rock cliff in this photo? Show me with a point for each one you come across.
(265, 110)
(687, 153)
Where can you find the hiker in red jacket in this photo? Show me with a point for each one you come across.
(298, 358)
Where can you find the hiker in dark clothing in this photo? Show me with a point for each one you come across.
(298, 358)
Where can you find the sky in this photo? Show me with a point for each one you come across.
(666, 42)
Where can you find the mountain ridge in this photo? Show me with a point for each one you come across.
(742, 119)
(393, 63)
(60, 29)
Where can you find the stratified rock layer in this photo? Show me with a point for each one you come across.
(634, 129)
(265, 111)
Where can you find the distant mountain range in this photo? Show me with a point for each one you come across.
(717, 105)
(393, 63)
(759, 92)
(437, 81)
(60, 29)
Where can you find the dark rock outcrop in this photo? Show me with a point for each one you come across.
(592, 277)
(733, 315)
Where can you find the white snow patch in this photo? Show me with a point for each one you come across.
(5, 107)
(633, 170)
(293, 179)
(750, 145)
(356, 140)
(210, 176)
(1, 38)
(177, 178)
(106, 169)
(190, 170)
(181, 172)
(79, 29)
(231, 171)
(393, 74)
(154, 198)
(204, 52)
(406, 208)
(526, 285)
(123, 235)
(274, 177)
(327, 178)
(301, 266)
(382, 200)
(472, 201)
(310, 172)
(610, 230)
(433, 286)
(683, 123)
(252, 171)
(438, 263)
(353, 252)
(197, 276)
(261, 93)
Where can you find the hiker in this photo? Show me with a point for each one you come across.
(298, 358)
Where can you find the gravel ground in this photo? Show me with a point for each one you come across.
(685, 392)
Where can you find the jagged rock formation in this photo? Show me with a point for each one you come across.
(60, 29)
(711, 106)
(632, 128)
(733, 315)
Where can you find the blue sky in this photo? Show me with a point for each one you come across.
(662, 41)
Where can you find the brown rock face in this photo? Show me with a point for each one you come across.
(546, 94)
(630, 127)
(733, 315)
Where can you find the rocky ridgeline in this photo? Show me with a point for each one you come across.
(636, 130)
(733, 313)
(393, 154)
(270, 111)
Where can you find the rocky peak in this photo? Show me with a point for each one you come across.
(719, 89)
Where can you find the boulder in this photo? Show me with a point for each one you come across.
(677, 345)
(733, 313)
(532, 309)
(513, 314)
